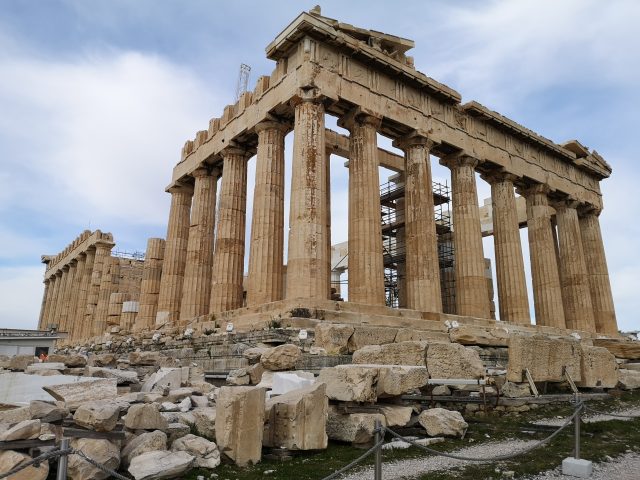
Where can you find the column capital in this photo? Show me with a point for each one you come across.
(361, 117)
(272, 125)
(565, 203)
(307, 95)
(460, 159)
(535, 189)
(46, 281)
(586, 209)
(180, 188)
(201, 172)
(65, 268)
(414, 139)
(499, 176)
(58, 273)
(234, 150)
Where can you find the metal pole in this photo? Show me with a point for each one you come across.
(377, 469)
(62, 461)
(576, 422)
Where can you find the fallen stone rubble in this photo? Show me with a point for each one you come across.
(154, 417)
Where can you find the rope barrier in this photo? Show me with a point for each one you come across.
(356, 461)
(39, 459)
(106, 470)
(611, 414)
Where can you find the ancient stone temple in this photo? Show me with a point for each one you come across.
(368, 81)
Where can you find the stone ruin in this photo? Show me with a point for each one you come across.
(296, 365)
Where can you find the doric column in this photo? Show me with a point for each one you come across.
(85, 286)
(472, 297)
(512, 286)
(422, 269)
(66, 299)
(401, 246)
(266, 282)
(103, 251)
(46, 319)
(576, 294)
(545, 278)
(328, 176)
(175, 255)
(74, 326)
(308, 262)
(196, 289)
(56, 300)
(150, 285)
(601, 298)
(228, 260)
(109, 267)
(43, 305)
(366, 266)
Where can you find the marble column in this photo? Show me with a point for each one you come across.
(46, 320)
(74, 326)
(545, 277)
(85, 285)
(601, 297)
(43, 305)
(512, 286)
(576, 293)
(56, 300)
(472, 297)
(103, 251)
(175, 255)
(196, 290)
(228, 259)
(66, 299)
(266, 282)
(150, 285)
(401, 246)
(106, 289)
(308, 260)
(422, 268)
(366, 265)
(328, 191)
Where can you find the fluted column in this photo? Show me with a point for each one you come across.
(472, 297)
(68, 289)
(401, 245)
(422, 268)
(545, 278)
(109, 267)
(56, 299)
(175, 255)
(64, 276)
(46, 319)
(601, 297)
(75, 297)
(576, 293)
(103, 251)
(196, 289)
(228, 260)
(266, 282)
(308, 262)
(150, 285)
(512, 286)
(43, 305)
(366, 266)
(85, 286)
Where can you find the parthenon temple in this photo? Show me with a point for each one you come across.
(414, 254)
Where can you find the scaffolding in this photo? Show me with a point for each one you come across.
(394, 249)
(130, 255)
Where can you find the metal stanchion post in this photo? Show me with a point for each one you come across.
(576, 422)
(63, 460)
(377, 469)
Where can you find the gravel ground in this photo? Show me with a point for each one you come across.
(404, 469)
(625, 467)
(593, 417)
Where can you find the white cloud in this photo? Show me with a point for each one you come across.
(21, 289)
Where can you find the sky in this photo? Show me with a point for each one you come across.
(97, 98)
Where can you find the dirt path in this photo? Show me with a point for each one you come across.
(625, 467)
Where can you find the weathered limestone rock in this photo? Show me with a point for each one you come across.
(629, 379)
(144, 358)
(400, 379)
(206, 452)
(75, 394)
(544, 357)
(144, 417)
(255, 373)
(363, 336)
(282, 357)
(10, 460)
(350, 383)
(19, 363)
(102, 451)
(598, 368)
(239, 376)
(25, 430)
(620, 348)
(72, 360)
(239, 423)
(176, 430)
(356, 428)
(5, 360)
(165, 377)
(159, 464)
(413, 335)
(296, 420)
(396, 415)
(451, 360)
(404, 353)
(333, 337)
(179, 394)
(102, 360)
(440, 422)
(43, 367)
(514, 390)
(205, 422)
(46, 412)
(199, 401)
(254, 354)
(123, 377)
(100, 415)
(470, 335)
(15, 415)
(631, 366)
(145, 442)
